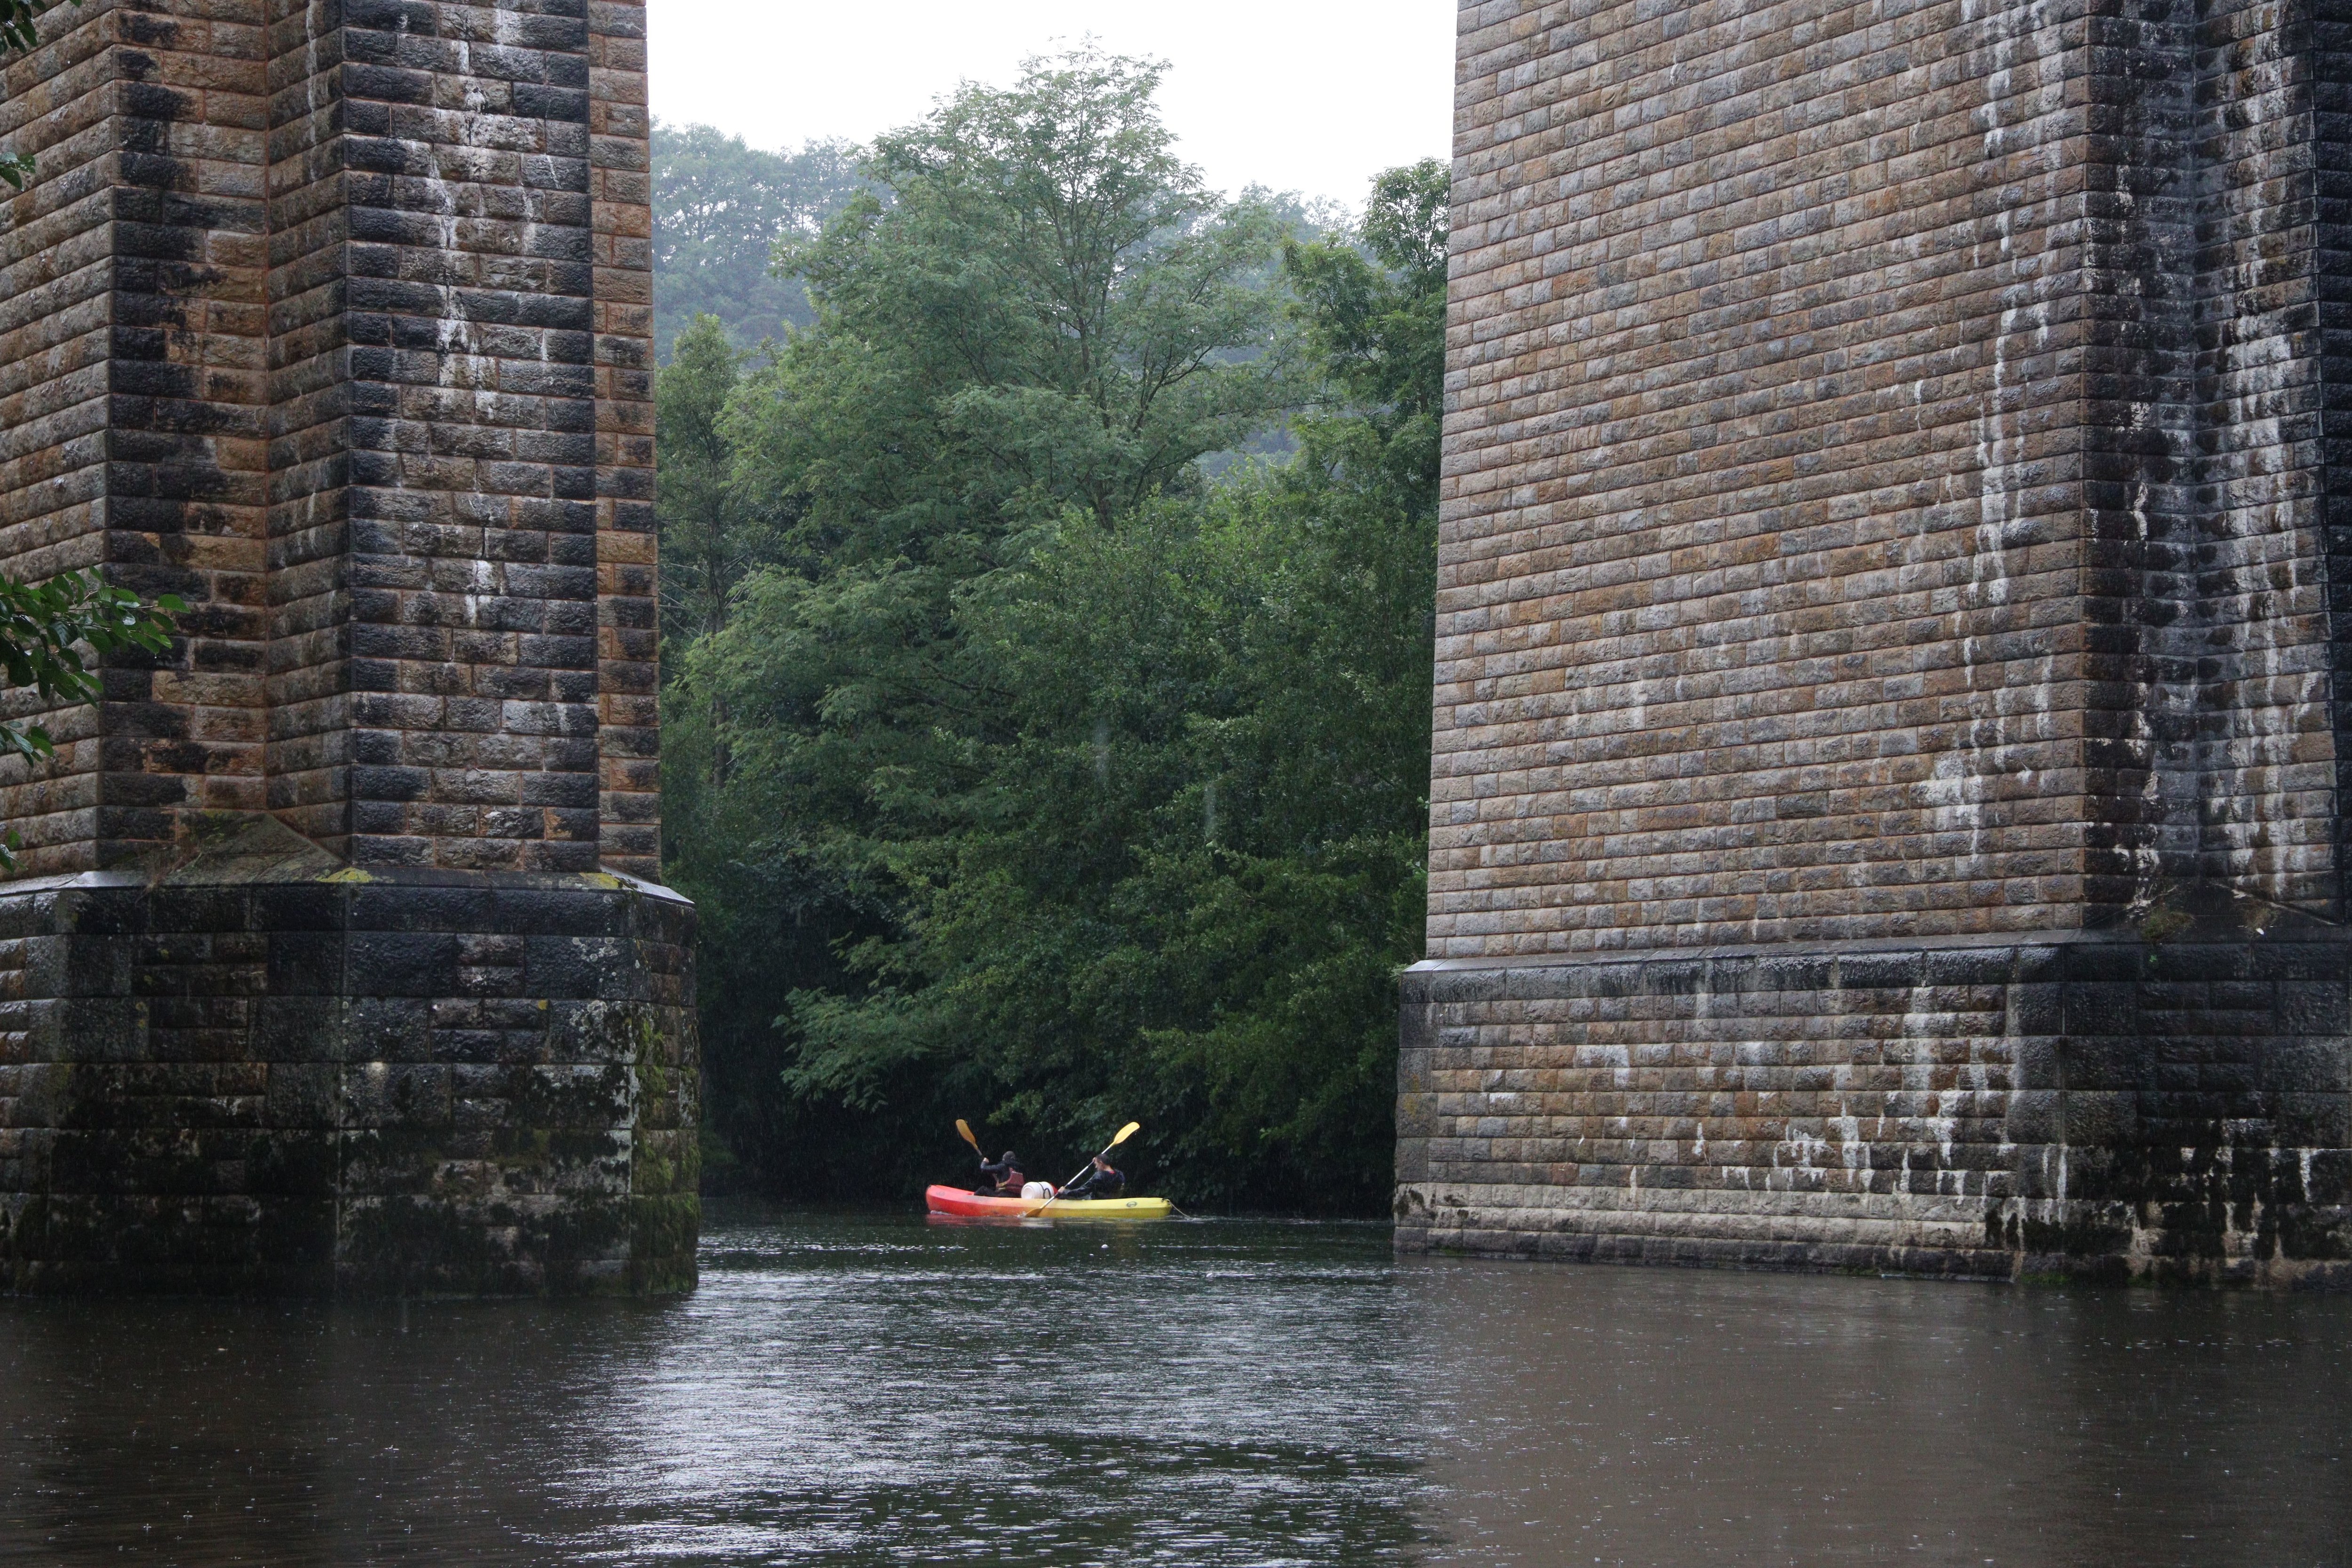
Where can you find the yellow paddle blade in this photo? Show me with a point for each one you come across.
(1125, 1132)
(963, 1127)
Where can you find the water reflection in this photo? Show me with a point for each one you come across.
(1193, 1394)
(850, 1390)
(1612, 1415)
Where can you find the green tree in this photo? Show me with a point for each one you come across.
(1036, 310)
(1063, 782)
(1038, 306)
(1182, 883)
(1372, 317)
(709, 537)
(720, 209)
(1048, 315)
(49, 635)
(758, 940)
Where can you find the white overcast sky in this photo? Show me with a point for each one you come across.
(1314, 96)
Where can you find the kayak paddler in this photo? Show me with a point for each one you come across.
(1102, 1182)
(1000, 1176)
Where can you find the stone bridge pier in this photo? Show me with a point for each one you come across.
(336, 960)
(1892, 729)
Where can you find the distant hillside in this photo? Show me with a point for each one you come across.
(719, 207)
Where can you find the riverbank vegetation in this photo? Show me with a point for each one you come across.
(1047, 629)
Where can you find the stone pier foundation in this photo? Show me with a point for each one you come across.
(1982, 1110)
(335, 960)
(1894, 619)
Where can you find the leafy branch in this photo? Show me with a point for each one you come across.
(51, 636)
(45, 627)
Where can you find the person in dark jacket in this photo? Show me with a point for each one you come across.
(1102, 1182)
(1000, 1178)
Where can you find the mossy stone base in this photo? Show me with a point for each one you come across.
(263, 1072)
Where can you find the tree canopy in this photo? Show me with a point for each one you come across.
(1032, 758)
(721, 208)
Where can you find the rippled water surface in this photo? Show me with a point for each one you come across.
(869, 1389)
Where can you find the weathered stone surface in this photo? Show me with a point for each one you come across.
(333, 317)
(2078, 1103)
(265, 1070)
(1889, 500)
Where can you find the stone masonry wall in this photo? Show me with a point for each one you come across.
(628, 655)
(1889, 500)
(1983, 1110)
(263, 1074)
(1873, 503)
(131, 411)
(328, 967)
(335, 319)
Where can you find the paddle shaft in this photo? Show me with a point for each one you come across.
(1121, 1136)
(1090, 1164)
(1057, 1191)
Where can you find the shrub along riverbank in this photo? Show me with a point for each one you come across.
(1032, 756)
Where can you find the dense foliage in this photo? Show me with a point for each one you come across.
(720, 209)
(1022, 770)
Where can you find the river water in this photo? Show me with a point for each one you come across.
(855, 1389)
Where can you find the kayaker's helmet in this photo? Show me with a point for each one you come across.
(1010, 1158)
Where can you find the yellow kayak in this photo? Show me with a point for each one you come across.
(973, 1206)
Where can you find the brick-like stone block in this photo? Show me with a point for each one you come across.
(1888, 514)
(332, 319)
(1871, 508)
(416, 1125)
(335, 320)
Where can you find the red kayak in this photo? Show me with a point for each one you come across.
(972, 1205)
